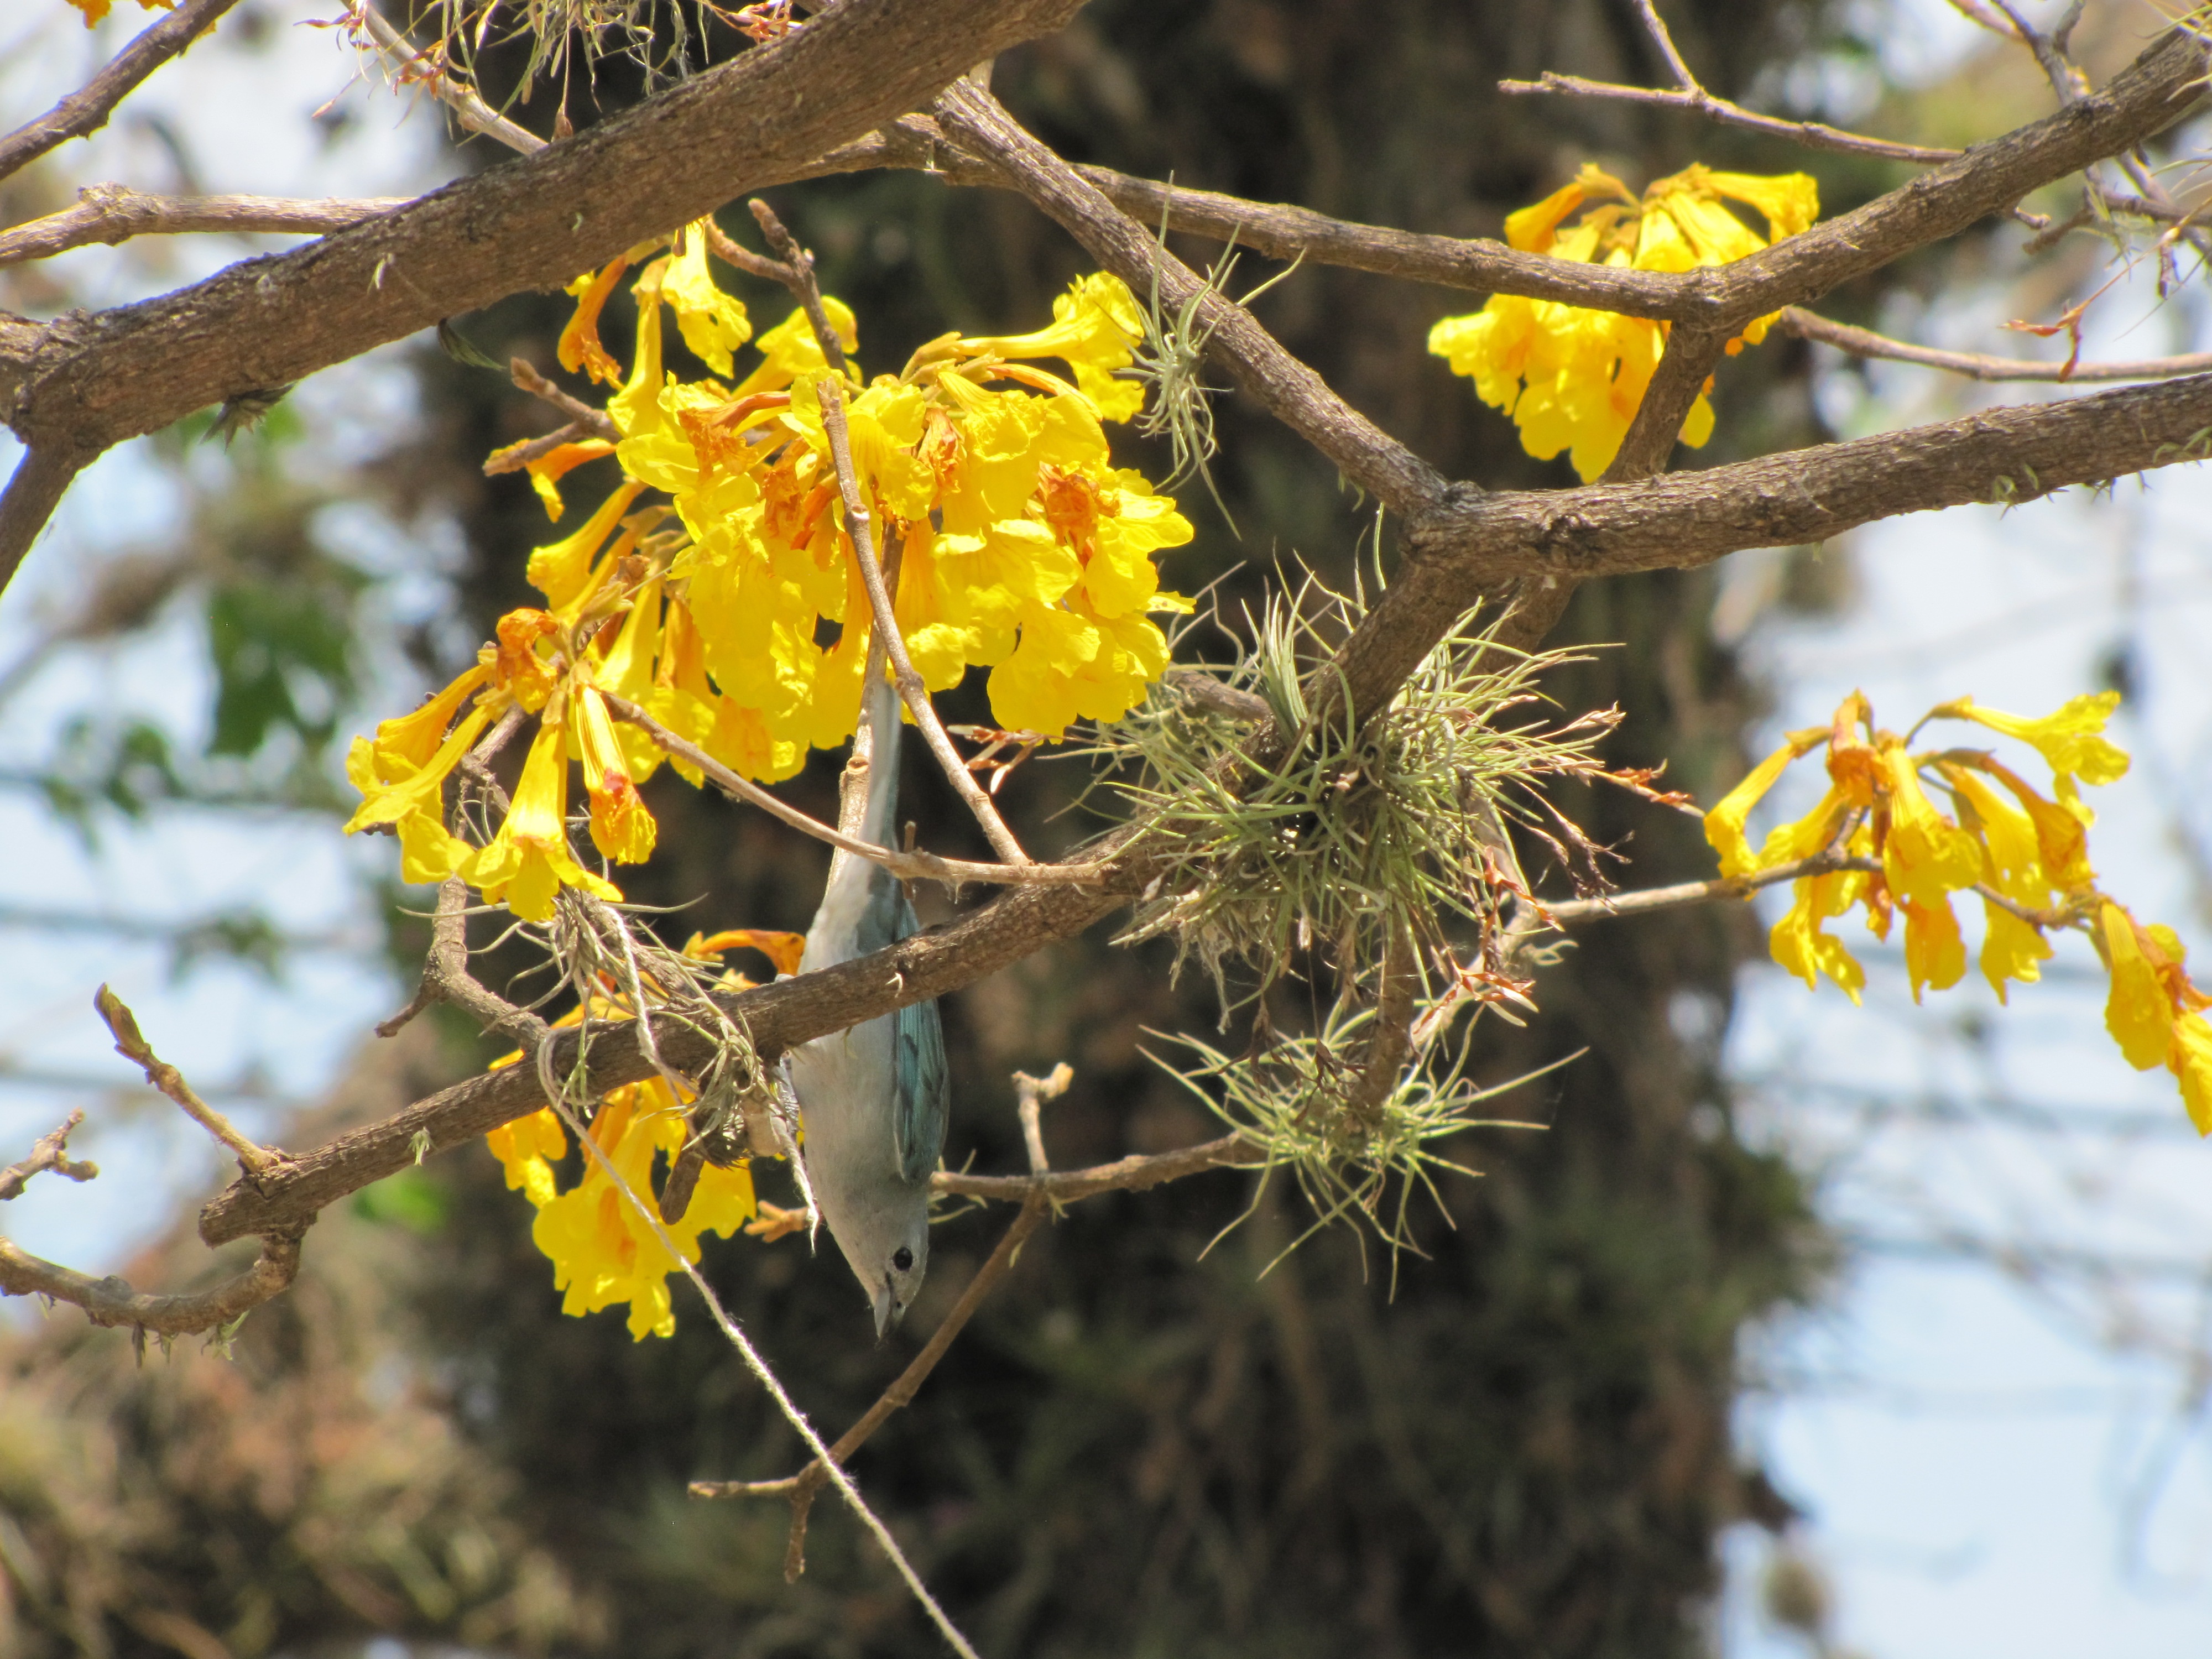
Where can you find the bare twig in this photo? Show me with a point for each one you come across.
(131, 1044)
(87, 110)
(49, 1151)
(1033, 1092)
(730, 252)
(594, 422)
(1864, 342)
(1134, 1174)
(906, 865)
(110, 1301)
(1568, 911)
(113, 213)
(1813, 135)
(915, 694)
(800, 1488)
(768, 1380)
(447, 978)
(517, 458)
(797, 274)
(420, 68)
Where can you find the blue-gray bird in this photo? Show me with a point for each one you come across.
(872, 1098)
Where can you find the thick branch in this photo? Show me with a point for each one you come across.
(1285, 387)
(110, 1301)
(2004, 456)
(34, 491)
(87, 110)
(113, 213)
(1684, 366)
(83, 383)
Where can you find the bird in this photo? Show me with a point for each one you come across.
(873, 1099)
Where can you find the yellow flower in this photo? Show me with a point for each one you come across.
(1926, 855)
(1724, 824)
(563, 571)
(713, 324)
(621, 827)
(529, 860)
(94, 10)
(2188, 1057)
(1571, 378)
(1934, 952)
(2138, 1012)
(2012, 864)
(401, 773)
(1096, 326)
(2070, 741)
(603, 1251)
(1798, 943)
(524, 1148)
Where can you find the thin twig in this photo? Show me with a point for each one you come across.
(1132, 1173)
(797, 274)
(1032, 1093)
(49, 1151)
(87, 110)
(906, 865)
(110, 1301)
(730, 252)
(131, 1044)
(768, 1379)
(596, 422)
(421, 69)
(911, 688)
(800, 1488)
(1813, 135)
(114, 213)
(517, 458)
(1864, 342)
(1697, 892)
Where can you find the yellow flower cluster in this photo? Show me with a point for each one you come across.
(1571, 378)
(2025, 854)
(603, 1252)
(730, 606)
(94, 10)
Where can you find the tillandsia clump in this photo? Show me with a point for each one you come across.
(1360, 832)
(1572, 378)
(1356, 1158)
(1886, 846)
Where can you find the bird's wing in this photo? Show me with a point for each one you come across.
(919, 1091)
(919, 1103)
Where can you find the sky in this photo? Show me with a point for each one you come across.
(1996, 1456)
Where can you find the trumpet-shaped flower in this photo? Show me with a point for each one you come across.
(1096, 326)
(1572, 379)
(2071, 741)
(529, 860)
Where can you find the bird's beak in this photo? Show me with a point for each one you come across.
(887, 1311)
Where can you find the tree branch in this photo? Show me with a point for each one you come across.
(114, 213)
(131, 1043)
(1285, 387)
(110, 1301)
(1813, 135)
(81, 383)
(34, 491)
(86, 110)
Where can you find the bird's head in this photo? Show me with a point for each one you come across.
(887, 1246)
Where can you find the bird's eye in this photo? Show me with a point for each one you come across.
(902, 1258)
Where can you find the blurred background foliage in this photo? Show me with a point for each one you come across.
(1137, 1447)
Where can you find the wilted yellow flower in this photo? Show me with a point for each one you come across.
(1571, 378)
